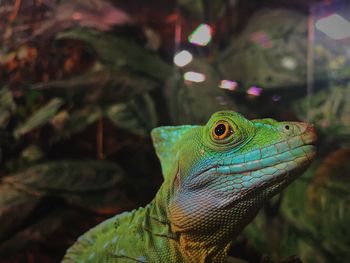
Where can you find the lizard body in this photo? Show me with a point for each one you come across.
(216, 178)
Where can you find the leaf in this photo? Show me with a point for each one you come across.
(199, 8)
(12, 201)
(40, 117)
(116, 85)
(329, 110)
(195, 7)
(7, 106)
(119, 52)
(36, 232)
(196, 102)
(271, 36)
(137, 115)
(77, 122)
(32, 153)
(93, 185)
(110, 201)
(94, 78)
(69, 176)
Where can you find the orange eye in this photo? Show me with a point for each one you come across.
(222, 130)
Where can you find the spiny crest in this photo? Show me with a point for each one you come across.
(164, 141)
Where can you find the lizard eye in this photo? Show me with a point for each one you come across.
(222, 130)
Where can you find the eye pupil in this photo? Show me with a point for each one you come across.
(220, 129)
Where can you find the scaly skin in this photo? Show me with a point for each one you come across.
(216, 178)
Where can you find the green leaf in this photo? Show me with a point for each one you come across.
(196, 7)
(94, 185)
(13, 200)
(6, 99)
(329, 110)
(108, 85)
(7, 106)
(211, 10)
(89, 79)
(32, 153)
(76, 122)
(137, 115)
(119, 52)
(69, 176)
(38, 231)
(40, 117)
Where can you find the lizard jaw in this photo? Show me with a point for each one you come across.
(257, 169)
(271, 168)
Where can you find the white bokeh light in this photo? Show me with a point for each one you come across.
(334, 26)
(201, 36)
(194, 76)
(183, 58)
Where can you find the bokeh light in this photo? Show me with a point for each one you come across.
(194, 76)
(201, 36)
(183, 58)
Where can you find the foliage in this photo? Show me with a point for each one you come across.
(119, 53)
(329, 109)
(311, 220)
(84, 82)
(40, 117)
(7, 106)
(214, 9)
(97, 93)
(93, 185)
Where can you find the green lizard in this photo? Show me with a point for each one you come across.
(216, 178)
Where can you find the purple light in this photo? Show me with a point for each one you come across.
(276, 98)
(262, 39)
(254, 91)
(221, 100)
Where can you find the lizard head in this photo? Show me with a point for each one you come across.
(219, 175)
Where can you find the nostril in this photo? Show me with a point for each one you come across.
(287, 127)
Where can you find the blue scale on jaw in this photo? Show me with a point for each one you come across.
(253, 156)
(268, 161)
(268, 151)
(237, 159)
(226, 166)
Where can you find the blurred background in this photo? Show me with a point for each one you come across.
(83, 82)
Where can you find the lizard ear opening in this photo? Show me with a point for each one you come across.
(164, 141)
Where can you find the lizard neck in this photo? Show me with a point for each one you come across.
(157, 220)
(208, 244)
(159, 208)
(212, 244)
(192, 246)
(165, 243)
(205, 248)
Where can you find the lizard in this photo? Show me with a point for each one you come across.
(217, 176)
